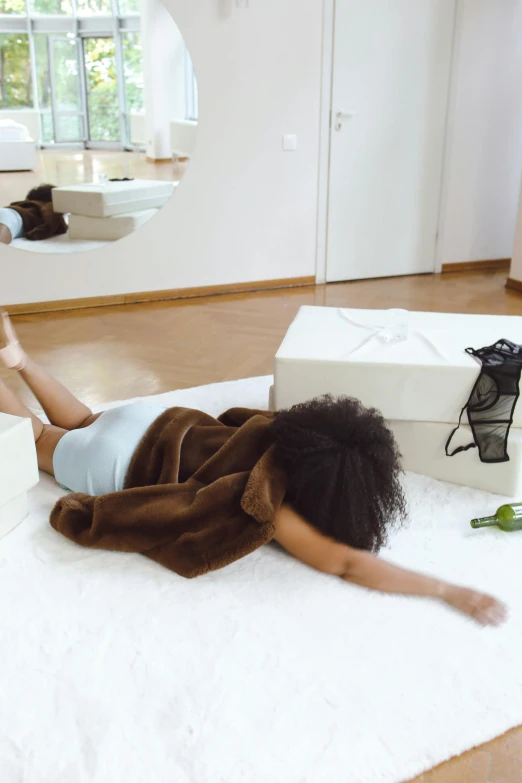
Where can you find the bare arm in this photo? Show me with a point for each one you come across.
(359, 567)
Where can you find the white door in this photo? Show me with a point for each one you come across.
(391, 69)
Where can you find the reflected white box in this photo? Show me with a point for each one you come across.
(18, 470)
(18, 155)
(183, 135)
(108, 229)
(105, 199)
(427, 377)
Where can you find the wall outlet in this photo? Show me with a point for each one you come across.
(289, 142)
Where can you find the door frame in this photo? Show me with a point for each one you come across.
(323, 183)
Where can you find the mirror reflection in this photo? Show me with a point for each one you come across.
(98, 119)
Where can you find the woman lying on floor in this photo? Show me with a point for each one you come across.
(196, 493)
(33, 218)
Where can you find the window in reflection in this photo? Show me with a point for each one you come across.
(16, 90)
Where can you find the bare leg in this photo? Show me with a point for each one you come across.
(62, 408)
(46, 435)
(5, 235)
(60, 405)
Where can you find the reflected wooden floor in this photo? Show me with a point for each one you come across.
(74, 167)
(121, 352)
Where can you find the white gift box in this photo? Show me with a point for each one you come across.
(18, 470)
(108, 229)
(420, 384)
(422, 448)
(105, 199)
(427, 377)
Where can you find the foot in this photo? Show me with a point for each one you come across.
(12, 355)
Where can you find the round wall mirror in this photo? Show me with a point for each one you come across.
(98, 120)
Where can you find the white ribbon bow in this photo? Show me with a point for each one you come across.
(378, 331)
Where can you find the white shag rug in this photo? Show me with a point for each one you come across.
(115, 670)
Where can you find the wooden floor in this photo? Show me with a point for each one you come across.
(121, 352)
(74, 167)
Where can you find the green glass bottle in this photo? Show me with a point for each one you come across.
(508, 518)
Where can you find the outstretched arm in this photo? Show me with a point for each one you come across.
(359, 567)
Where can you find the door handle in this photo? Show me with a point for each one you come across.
(340, 116)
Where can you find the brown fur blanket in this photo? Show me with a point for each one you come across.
(39, 219)
(200, 493)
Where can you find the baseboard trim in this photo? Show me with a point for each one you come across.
(514, 285)
(478, 266)
(158, 296)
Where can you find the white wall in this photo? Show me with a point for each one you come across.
(484, 144)
(245, 210)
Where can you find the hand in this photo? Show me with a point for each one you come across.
(483, 608)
